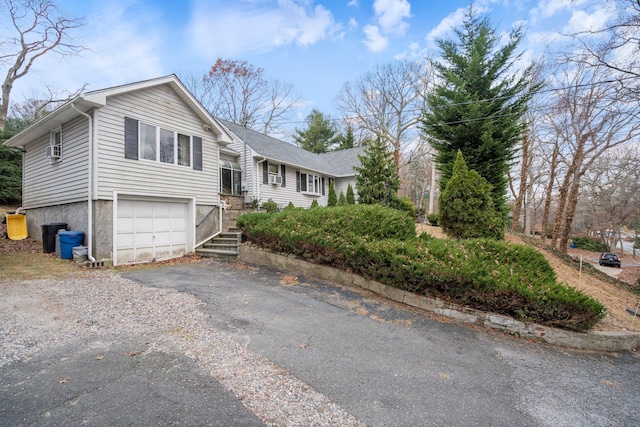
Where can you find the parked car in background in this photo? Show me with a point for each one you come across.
(609, 259)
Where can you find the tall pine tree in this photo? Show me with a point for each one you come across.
(320, 135)
(479, 105)
(377, 181)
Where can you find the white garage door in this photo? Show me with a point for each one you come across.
(151, 230)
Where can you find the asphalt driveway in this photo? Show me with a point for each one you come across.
(389, 366)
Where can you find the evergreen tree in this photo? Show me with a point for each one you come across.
(377, 181)
(466, 206)
(479, 106)
(320, 135)
(332, 200)
(342, 200)
(351, 198)
(347, 140)
(11, 163)
(314, 204)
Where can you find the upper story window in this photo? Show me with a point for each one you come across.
(144, 141)
(54, 150)
(274, 169)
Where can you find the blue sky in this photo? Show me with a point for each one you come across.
(315, 45)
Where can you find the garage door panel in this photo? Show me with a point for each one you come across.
(151, 230)
(178, 238)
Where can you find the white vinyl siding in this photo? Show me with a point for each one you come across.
(284, 195)
(61, 181)
(162, 108)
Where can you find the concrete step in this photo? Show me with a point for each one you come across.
(217, 253)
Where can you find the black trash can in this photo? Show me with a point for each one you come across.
(49, 232)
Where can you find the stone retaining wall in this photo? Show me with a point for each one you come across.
(599, 341)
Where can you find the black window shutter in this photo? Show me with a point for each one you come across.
(130, 138)
(265, 172)
(298, 181)
(283, 173)
(197, 153)
(323, 185)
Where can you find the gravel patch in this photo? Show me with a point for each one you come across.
(41, 314)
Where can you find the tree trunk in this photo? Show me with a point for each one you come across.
(549, 191)
(572, 202)
(517, 207)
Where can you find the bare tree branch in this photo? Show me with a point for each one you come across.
(38, 28)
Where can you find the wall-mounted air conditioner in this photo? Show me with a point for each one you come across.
(275, 179)
(53, 152)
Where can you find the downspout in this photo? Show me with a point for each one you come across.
(89, 187)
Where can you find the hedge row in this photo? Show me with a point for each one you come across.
(381, 244)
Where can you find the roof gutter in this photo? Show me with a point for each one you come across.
(89, 186)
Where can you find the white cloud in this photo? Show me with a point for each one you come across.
(123, 41)
(548, 8)
(353, 24)
(227, 30)
(582, 21)
(445, 26)
(375, 41)
(353, 3)
(391, 15)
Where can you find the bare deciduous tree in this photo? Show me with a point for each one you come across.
(241, 93)
(37, 27)
(387, 103)
(615, 46)
(590, 116)
(612, 194)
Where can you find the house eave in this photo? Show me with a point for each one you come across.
(52, 121)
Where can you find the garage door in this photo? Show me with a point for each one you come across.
(151, 230)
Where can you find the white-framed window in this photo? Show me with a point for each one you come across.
(230, 177)
(165, 146)
(54, 150)
(274, 169)
(147, 142)
(310, 183)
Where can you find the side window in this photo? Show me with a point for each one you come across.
(54, 150)
(144, 141)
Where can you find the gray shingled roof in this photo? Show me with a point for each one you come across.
(335, 163)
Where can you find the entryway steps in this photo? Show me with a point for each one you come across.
(224, 245)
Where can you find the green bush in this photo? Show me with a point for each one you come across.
(433, 218)
(380, 243)
(270, 206)
(314, 204)
(589, 244)
(403, 204)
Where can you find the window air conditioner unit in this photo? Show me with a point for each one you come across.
(53, 152)
(275, 179)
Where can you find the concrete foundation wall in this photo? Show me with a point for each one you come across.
(73, 214)
(102, 229)
(207, 218)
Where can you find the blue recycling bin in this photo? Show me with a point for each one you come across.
(69, 240)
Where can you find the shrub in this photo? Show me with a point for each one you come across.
(589, 244)
(314, 204)
(403, 204)
(466, 205)
(433, 218)
(351, 198)
(332, 199)
(270, 206)
(380, 243)
(342, 200)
